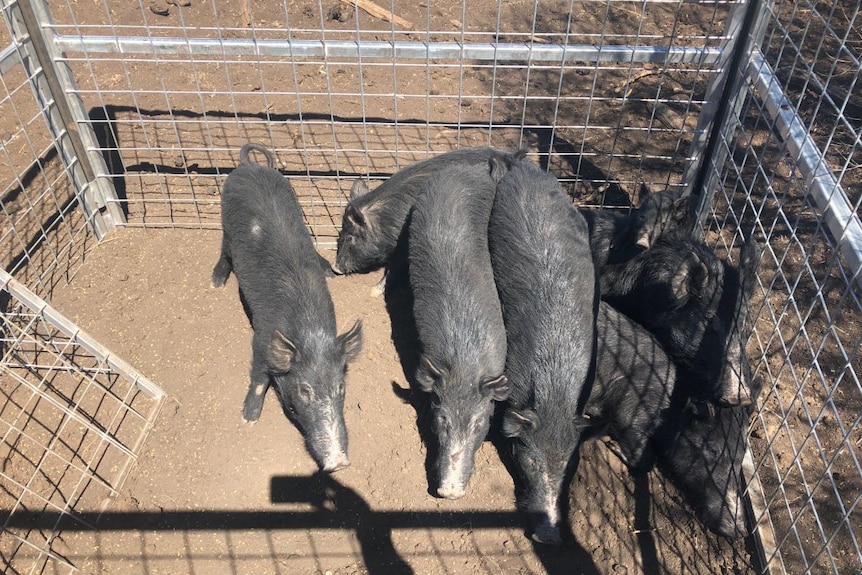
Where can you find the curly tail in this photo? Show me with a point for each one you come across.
(251, 147)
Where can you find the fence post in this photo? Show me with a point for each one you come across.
(29, 23)
(746, 26)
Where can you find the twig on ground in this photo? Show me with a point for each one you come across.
(379, 12)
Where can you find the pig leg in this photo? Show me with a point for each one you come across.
(223, 267)
(326, 266)
(256, 392)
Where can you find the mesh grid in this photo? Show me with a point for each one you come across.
(335, 104)
(43, 235)
(71, 424)
(793, 181)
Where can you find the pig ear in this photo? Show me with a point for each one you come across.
(350, 342)
(643, 194)
(427, 374)
(280, 353)
(518, 422)
(679, 283)
(498, 387)
(497, 168)
(691, 277)
(355, 216)
(359, 188)
(680, 209)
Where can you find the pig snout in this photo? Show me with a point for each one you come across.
(451, 490)
(334, 456)
(329, 445)
(335, 461)
(546, 532)
(643, 240)
(452, 484)
(734, 394)
(729, 518)
(735, 391)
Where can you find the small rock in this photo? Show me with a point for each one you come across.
(159, 10)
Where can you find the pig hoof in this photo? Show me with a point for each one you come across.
(547, 536)
(248, 423)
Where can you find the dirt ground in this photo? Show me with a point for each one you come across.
(211, 495)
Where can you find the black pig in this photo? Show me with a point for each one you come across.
(544, 273)
(631, 395)
(616, 237)
(704, 461)
(283, 290)
(373, 219)
(687, 297)
(698, 447)
(458, 316)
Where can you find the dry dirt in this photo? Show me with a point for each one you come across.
(210, 495)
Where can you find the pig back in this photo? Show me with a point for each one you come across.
(544, 273)
(455, 301)
(272, 253)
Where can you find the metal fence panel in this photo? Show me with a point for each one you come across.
(792, 179)
(73, 420)
(362, 97)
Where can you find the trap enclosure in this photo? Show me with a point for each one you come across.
(134, 118)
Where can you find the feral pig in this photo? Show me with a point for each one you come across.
(616, 237)
(631, 394)
(282, 286)
(705, 460)
(458, 316)
(373, 219)
(544, 274)
(684, 295)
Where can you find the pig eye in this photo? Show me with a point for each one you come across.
(305, 392)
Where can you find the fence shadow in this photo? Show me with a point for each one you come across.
(333, 506)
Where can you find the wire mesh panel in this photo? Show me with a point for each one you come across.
(42, 233)
(792, 179)
(72, 421)
(612, 91)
